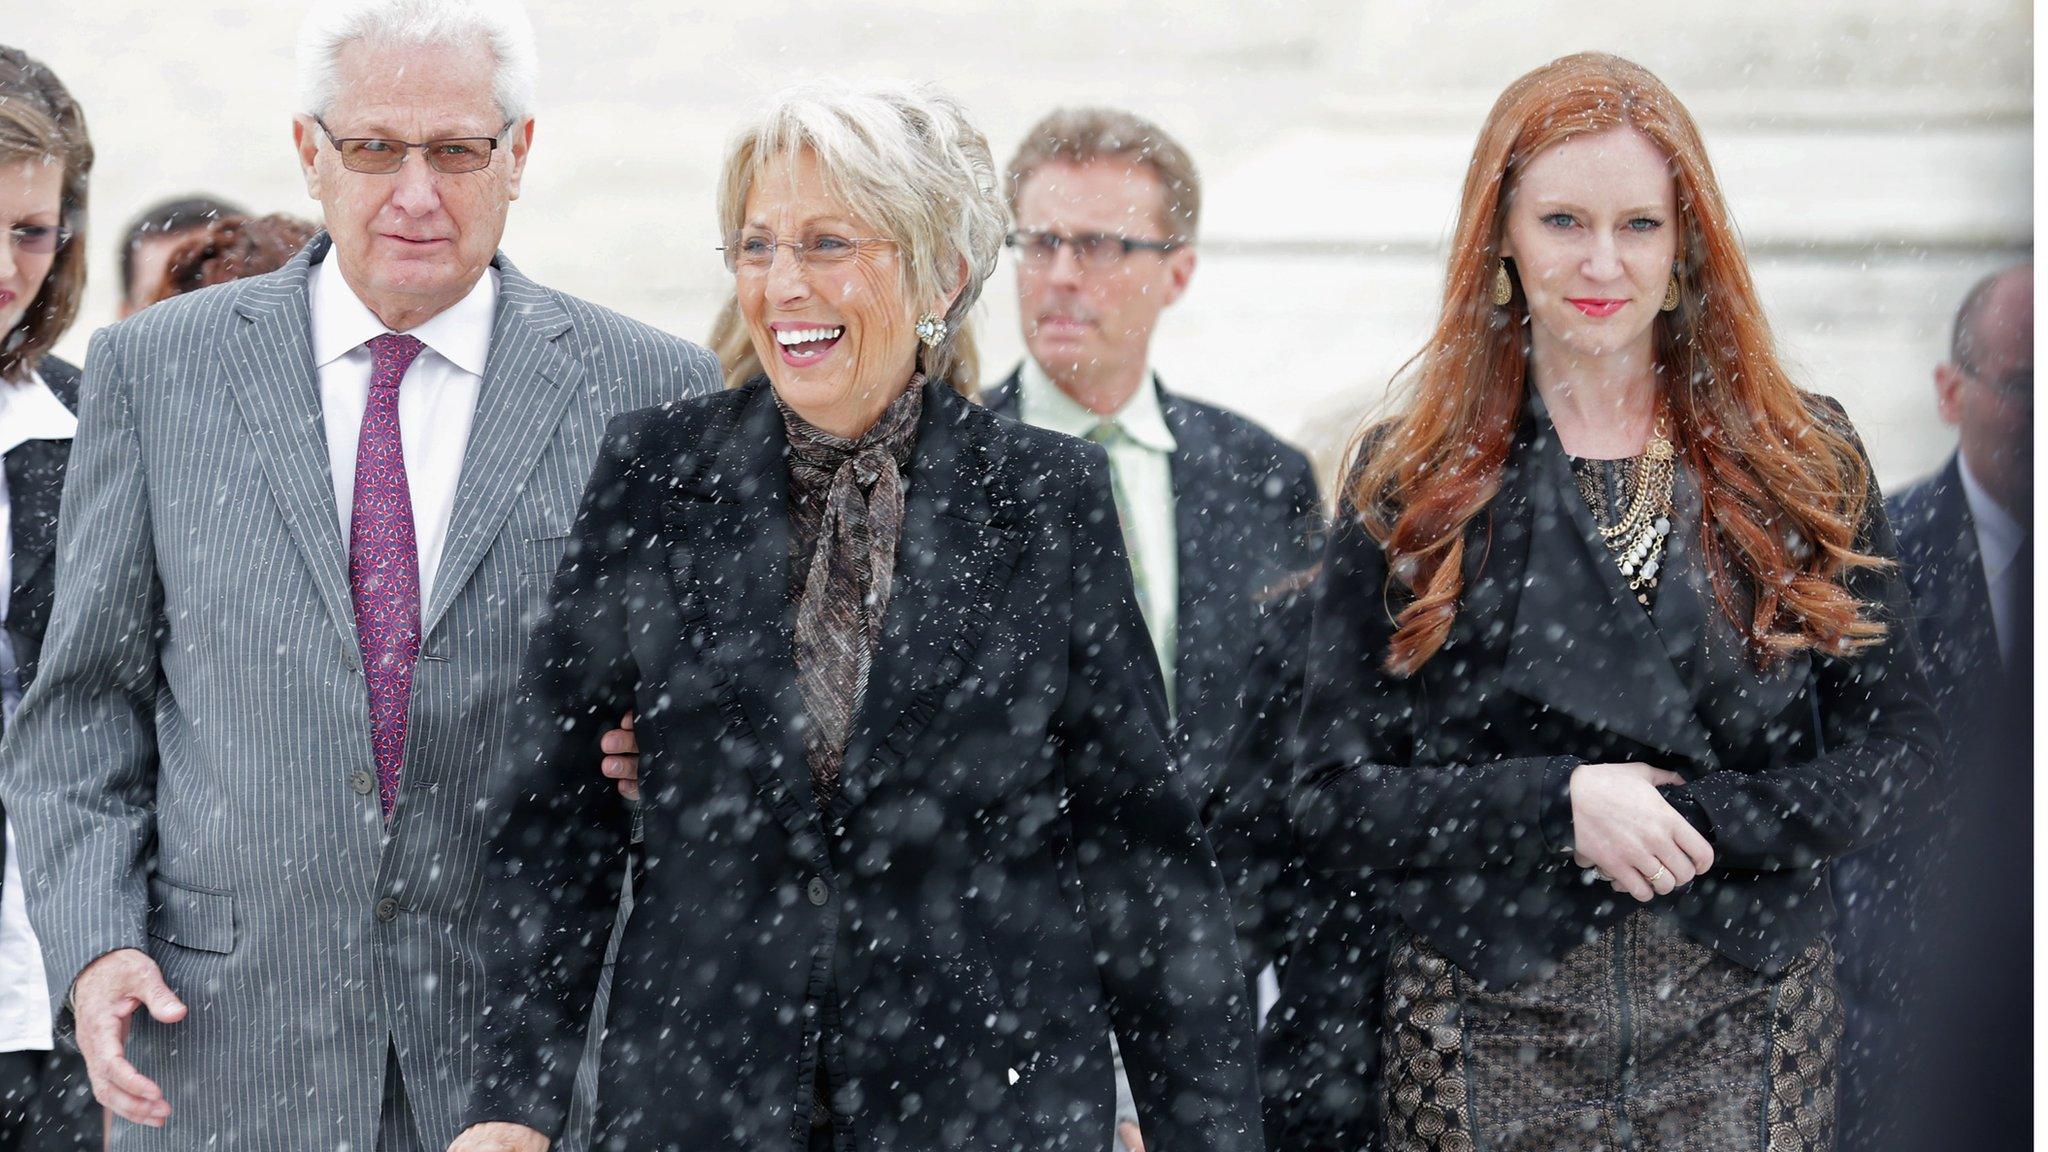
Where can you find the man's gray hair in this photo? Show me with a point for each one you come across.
(904, 160)
(502, 26)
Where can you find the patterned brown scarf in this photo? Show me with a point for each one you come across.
(846, 508)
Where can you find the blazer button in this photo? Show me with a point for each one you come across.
(387, 909)
(362, 782)
(817, 891)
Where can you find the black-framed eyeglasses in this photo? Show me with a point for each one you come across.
(381, 157)
(823, 250)
(38, 239)
(1090, 249)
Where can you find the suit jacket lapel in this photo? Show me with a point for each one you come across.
(527, 382)
(35, 484)
(730, 515)
(950, 561)
(1963, 600)
(269, 368)
(63, 380)
(1197, 524)
(1579, 642)
(1001, 397)
(34, 488)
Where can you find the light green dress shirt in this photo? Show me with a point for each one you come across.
(1141, 459)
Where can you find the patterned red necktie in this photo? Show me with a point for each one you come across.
(384, 563)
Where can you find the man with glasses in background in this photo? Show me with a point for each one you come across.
(1221, 519)
(310, 518)
(1936, 923)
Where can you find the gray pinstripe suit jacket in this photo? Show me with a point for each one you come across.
(184, 770)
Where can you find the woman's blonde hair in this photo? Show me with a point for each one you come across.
(905, 160)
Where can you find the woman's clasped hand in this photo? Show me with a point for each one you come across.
(1625, 829)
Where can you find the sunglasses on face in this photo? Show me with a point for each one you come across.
(38, 239)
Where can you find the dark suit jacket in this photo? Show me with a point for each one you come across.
(35, 483)
(1442, 800)
(1010, 869)
(1249, 525)
(1893, 899)
(1952, 605)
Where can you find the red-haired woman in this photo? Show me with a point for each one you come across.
(1607, 664)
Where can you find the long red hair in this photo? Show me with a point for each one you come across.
(1782, 490)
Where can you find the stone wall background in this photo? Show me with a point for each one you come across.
(1878, 155)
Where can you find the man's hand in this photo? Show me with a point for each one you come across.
(1127, 1137)
(499, 1137)
(622, 757)
(103, 997)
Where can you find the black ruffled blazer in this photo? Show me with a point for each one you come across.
(1011, 868)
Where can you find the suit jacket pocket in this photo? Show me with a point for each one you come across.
(191, 917)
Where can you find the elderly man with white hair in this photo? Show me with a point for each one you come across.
(310, 518)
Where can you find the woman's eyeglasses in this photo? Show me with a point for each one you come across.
(757, 253)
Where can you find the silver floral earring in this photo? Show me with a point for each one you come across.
(931, 329)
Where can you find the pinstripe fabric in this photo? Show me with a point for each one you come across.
(184, 771)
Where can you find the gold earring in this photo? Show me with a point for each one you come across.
(931, 328)
(1671, 295)
(1503, 288)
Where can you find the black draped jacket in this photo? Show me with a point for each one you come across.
(1439, 801)
(1009, 870)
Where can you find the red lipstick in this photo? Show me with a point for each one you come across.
(1596, 307)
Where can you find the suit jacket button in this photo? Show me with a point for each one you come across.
(818, 891)
(362, 782)
(387, 909)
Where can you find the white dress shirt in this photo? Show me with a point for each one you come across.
(436, 403)
(1999, 536)
(28, 411)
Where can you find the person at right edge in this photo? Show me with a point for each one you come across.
(1610, 658)
(1925, 944)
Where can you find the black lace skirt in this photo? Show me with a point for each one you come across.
(1642, 1039)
